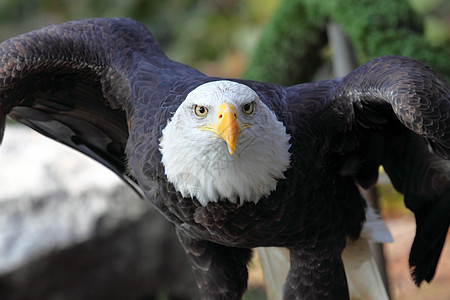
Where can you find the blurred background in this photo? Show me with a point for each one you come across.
(279, 41)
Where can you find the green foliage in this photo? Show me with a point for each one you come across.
(14, 9)
(388, 27)
(290, 48)
(364, 20)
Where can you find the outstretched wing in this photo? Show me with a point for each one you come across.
(420, 99)
(73, 82)
(418, 95)
(395, 112)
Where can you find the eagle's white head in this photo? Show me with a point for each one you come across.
(223, 143)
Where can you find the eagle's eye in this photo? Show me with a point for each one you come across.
(200, 111)
(248, 108)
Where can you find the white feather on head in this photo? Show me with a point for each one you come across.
(198, 163)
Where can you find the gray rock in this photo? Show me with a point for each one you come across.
(70, 229)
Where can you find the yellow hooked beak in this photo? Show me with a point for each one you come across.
(227, 127)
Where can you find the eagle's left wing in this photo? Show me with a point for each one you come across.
(403, 106)
(395, 112)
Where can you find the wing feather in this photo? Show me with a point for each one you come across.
(419, 98)
(418, 95)
(73, 83)
(395, 112)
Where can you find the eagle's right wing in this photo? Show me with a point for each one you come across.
(70, 83)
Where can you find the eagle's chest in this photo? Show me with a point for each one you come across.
(284, 218)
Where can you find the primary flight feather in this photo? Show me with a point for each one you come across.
(237, 164)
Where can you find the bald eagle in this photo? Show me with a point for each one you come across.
(237, 164)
